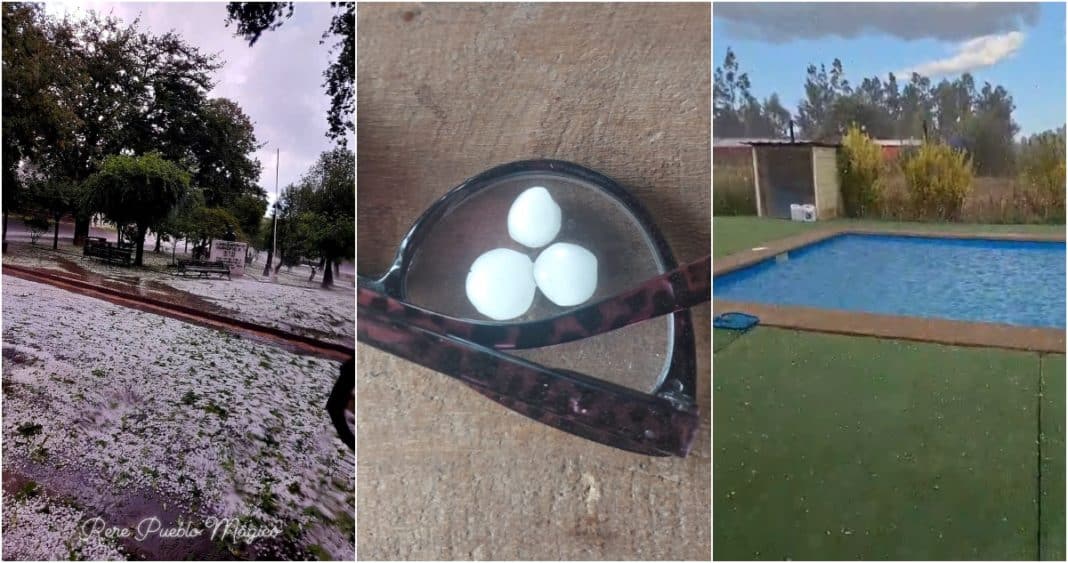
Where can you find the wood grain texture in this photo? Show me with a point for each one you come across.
(443, 93)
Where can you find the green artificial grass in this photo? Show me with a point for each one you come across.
(734, 234)
(1052, 440)
(836, 447)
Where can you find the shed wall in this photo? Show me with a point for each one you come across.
(825, 162)
(785, 178)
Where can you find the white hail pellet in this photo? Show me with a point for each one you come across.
(566, 273)
(500, 284)
(534, 218)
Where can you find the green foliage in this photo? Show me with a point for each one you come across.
(253, 18)
(860, 161)
(316, 216)
(248, 211)
(212, 223)
(37, 115)
(953, 111)
(732, 192)
(988, 134)
(78, 90)
(1042, 172)
(223, 143)
(938, 179)
(737, 113)
(139, 190)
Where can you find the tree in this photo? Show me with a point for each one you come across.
(209, 223)
(332, 201)
(38, 77)
(248, 211)
(53, 193)
(254, 18)
(737, 113)
(139, 190)
(316, 216)
(988, 135)
(915, 107)
(130, 92)
(294, 235)
(814, 110)
(222, 148)
(730, 88)
(1042, 171)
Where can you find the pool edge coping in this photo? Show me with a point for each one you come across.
(858, 323)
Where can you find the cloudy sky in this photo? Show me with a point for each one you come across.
(278, 82)
(1020, 46)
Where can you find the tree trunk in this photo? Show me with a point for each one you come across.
(158, 238)
(328, 274)
(55, 237)
(140, 245)
(174, 252)
(186, 250)
(81, 229)
(5, 231)
(279, 266)
(337, 268)
(267, 266)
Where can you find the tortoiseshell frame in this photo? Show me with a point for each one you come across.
(661, 423)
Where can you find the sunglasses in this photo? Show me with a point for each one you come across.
(546, 287)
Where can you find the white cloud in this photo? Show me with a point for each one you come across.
(973, 54)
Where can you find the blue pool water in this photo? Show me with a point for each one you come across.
(1010, 282)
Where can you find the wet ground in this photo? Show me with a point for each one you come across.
(149, 416)
(290, 302)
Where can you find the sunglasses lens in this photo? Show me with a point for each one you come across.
(535, 245)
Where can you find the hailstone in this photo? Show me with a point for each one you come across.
(534, 218)
(500, 284)
(566, 273)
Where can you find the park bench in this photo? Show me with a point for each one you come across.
(203, 269)
(100, 248)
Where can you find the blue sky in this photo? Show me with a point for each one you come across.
(1019, 46)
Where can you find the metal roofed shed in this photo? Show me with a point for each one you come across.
(803, 173)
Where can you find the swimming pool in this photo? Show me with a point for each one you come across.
(996, 281)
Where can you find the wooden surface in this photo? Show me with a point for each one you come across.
(443, 93)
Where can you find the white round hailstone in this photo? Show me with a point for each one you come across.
(534, 218)
(566, 273)
(500, 284)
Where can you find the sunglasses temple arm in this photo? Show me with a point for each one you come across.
(677, 290)
(561, 400)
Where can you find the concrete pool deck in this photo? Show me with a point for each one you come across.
(944, 331)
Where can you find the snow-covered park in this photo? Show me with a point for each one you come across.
(113, 415)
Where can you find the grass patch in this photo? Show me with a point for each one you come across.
(28, 429)
(1053, 470)
(27, 490)
(836, 447)
(212, 408)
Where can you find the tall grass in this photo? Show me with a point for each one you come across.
(732, 191)
(860, 163)
(938, 178)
